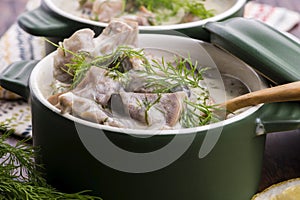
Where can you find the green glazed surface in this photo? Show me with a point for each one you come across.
(272, 53)
(230, 172)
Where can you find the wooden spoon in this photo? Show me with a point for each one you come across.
(281, 93)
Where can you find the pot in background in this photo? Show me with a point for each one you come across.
(51, 21)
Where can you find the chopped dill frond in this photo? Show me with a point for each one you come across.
(113, 62)
(165, 75)
(197, 114)
(148, 105)
(162, 76)
(165, 9)
(198, 9)
(20, 177)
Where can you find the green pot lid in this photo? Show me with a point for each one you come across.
(270, 52)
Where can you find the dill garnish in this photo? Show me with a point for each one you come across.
(19, 175)
(162, 76)
(167, 76)
(197, 114)
(113, 62)
(145, 103)
(198, 9)
(194, 7)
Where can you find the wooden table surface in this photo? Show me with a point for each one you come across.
(282, 153)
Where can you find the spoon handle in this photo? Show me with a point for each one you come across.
(281, 93)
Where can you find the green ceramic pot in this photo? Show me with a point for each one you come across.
(53, 19)
(221, 161)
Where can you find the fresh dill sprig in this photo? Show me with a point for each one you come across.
(18, 160)
(194, 7)
(13, 190)
(166, 75)
(198, 9)
(197, 114)
(113, 62)
(78, 65)
(153, 5)
(147, 104)
(20, 177)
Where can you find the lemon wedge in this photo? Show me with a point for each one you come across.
(287, 190)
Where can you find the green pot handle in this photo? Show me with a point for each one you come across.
(15, 77)
(277, 117)
(271, 52)
(44, 22)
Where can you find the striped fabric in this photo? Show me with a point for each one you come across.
(281, 18)
(17, 45)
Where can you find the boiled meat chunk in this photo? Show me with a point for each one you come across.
(117, 33)
(97, 85)
(80, 41)
(106, 10)
(151, 109)
(85, 109)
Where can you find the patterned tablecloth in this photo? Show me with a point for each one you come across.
(16, 45)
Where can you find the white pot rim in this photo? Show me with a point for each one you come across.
(226, 14)
(45, 63)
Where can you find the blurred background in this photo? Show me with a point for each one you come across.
(9, 11)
